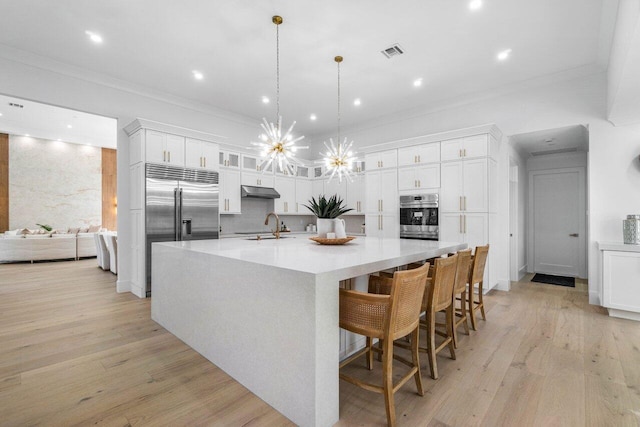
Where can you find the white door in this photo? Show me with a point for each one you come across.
(557, 199)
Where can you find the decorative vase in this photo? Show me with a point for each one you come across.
(339, 227)
(325, 225)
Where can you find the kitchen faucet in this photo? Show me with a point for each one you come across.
(266, 222)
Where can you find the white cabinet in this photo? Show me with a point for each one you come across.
(470, 228)
(336, 187)
(381, 160)
(419, 154)
(419, 177)
(229, 159)
(254, 164)
(303, 171)
(356, 195)
(286, 186)
(620, 269)
(201, 154)
(230, 191)
(382, 203)
(258, 179)
(464, 186)
(304, 191)
(465, 148)
(317, 187)
(384, 226)
(164, 148)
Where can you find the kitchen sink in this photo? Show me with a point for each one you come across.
(268, 237)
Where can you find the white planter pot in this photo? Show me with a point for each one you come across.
(325, 225)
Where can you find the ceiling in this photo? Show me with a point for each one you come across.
(550, 141)
(154, 45)
(55, 123)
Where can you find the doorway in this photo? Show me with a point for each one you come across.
(558, 221)
(548, 224)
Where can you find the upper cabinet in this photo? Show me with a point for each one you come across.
(381, 160)
(469, 147)
(251, 163)
(164, 148)
(419, 154)
(201, 154)
(229, 159)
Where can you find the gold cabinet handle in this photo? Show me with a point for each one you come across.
(465, 203)
(460, 203)
(381, 206)
(204, 161)
(464, 151)
(461, 232)
(164, 156)
(465, 224)
(419, 160)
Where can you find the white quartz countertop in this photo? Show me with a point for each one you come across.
(618, 246)
(304, 255)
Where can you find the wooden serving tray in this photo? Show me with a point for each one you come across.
(325, 241)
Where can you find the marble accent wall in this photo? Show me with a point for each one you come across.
(53, 182)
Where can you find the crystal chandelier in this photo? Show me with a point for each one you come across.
(338, 159)
(274, 145)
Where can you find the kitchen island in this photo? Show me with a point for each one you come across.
(266, 311)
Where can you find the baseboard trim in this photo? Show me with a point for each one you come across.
(594, 298)
(123, 286)
(624, 314)
(503, 285)
(522, 272)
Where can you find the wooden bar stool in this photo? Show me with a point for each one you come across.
(476, 276)
(386, 317)
(438, 296)
(460, 293)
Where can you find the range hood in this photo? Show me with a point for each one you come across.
(259, 192)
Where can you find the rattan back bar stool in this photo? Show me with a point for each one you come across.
(460, 293)
(386, 317)
(476, 276)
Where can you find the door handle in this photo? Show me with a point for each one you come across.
(187, 224)
(176, 210)
(574, 235)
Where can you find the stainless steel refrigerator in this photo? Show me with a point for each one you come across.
(181, 204)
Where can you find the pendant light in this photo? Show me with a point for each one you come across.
(338, 158)
(275, 146)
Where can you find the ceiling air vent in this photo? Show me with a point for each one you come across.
(13, 104)
(393, 50)
(558, 151)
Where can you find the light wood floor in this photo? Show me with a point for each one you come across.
(73, 352)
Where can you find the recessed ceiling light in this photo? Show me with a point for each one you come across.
(26, 134)
(59, 140)
(96, 38)
(313, 117)
(69, 126)
(265, 100)
(357, 102)
(0, 114)
(504, 54)
(475, 4)
(417, 82)
(197, 75)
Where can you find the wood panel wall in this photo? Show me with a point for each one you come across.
(109, 189)
(4, 182)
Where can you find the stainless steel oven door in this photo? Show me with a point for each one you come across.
(419, 217)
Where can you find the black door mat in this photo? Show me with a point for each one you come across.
(555, 280)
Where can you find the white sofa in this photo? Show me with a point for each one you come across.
(40, 247)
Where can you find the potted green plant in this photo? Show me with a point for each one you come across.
(327, 211)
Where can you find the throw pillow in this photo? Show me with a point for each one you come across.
(25, 231)
(73, 230)
(94, 228)
(84, 230)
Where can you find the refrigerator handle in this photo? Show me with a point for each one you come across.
(176, 208)
(180, 214)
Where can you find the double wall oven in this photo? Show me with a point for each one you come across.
(419, 216)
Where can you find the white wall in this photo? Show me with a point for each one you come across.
(613, 171)
(54, 183)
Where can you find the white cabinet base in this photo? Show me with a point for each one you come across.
(623, 314)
